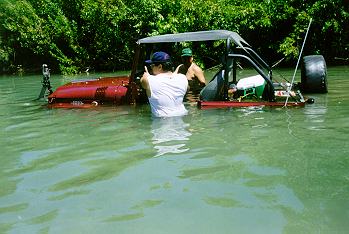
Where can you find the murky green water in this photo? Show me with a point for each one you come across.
(117, 170)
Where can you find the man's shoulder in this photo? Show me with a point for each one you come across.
(195, 67)
(150, 77)
(180, 76)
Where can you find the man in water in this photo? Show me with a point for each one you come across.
(165, 89)
(193, 72)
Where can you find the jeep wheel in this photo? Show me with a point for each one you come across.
(314, 74)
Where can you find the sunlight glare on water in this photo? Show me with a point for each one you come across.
(118, 170)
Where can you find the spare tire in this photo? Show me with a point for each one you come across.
(314, 74)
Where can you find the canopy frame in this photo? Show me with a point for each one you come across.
(213, 35)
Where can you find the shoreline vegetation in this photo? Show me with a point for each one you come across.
(76, 36)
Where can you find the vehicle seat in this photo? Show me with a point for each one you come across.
(213, 90)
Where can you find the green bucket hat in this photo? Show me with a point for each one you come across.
(187, 52)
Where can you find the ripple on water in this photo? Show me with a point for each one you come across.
(90, 171)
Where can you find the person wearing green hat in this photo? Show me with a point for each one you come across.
(193, 72)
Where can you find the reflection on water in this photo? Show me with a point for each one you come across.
(169, 135)
(117, 170)
(192, 97)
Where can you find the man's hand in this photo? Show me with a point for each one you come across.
(144, 81)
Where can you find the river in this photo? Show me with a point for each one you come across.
(117, 170)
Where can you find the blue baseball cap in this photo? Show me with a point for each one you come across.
(159, 57)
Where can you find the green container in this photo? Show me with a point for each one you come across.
(253, 85)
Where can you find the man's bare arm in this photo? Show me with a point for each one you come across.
(199, 73)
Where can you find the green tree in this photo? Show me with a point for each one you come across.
(76, 34)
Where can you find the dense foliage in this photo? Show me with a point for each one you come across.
(75, 34)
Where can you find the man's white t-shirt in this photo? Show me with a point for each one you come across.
(167, 93)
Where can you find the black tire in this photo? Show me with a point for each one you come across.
(314, 74)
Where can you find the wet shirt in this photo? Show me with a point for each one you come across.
(167, 93)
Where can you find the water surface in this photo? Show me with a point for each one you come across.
(117, 170)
